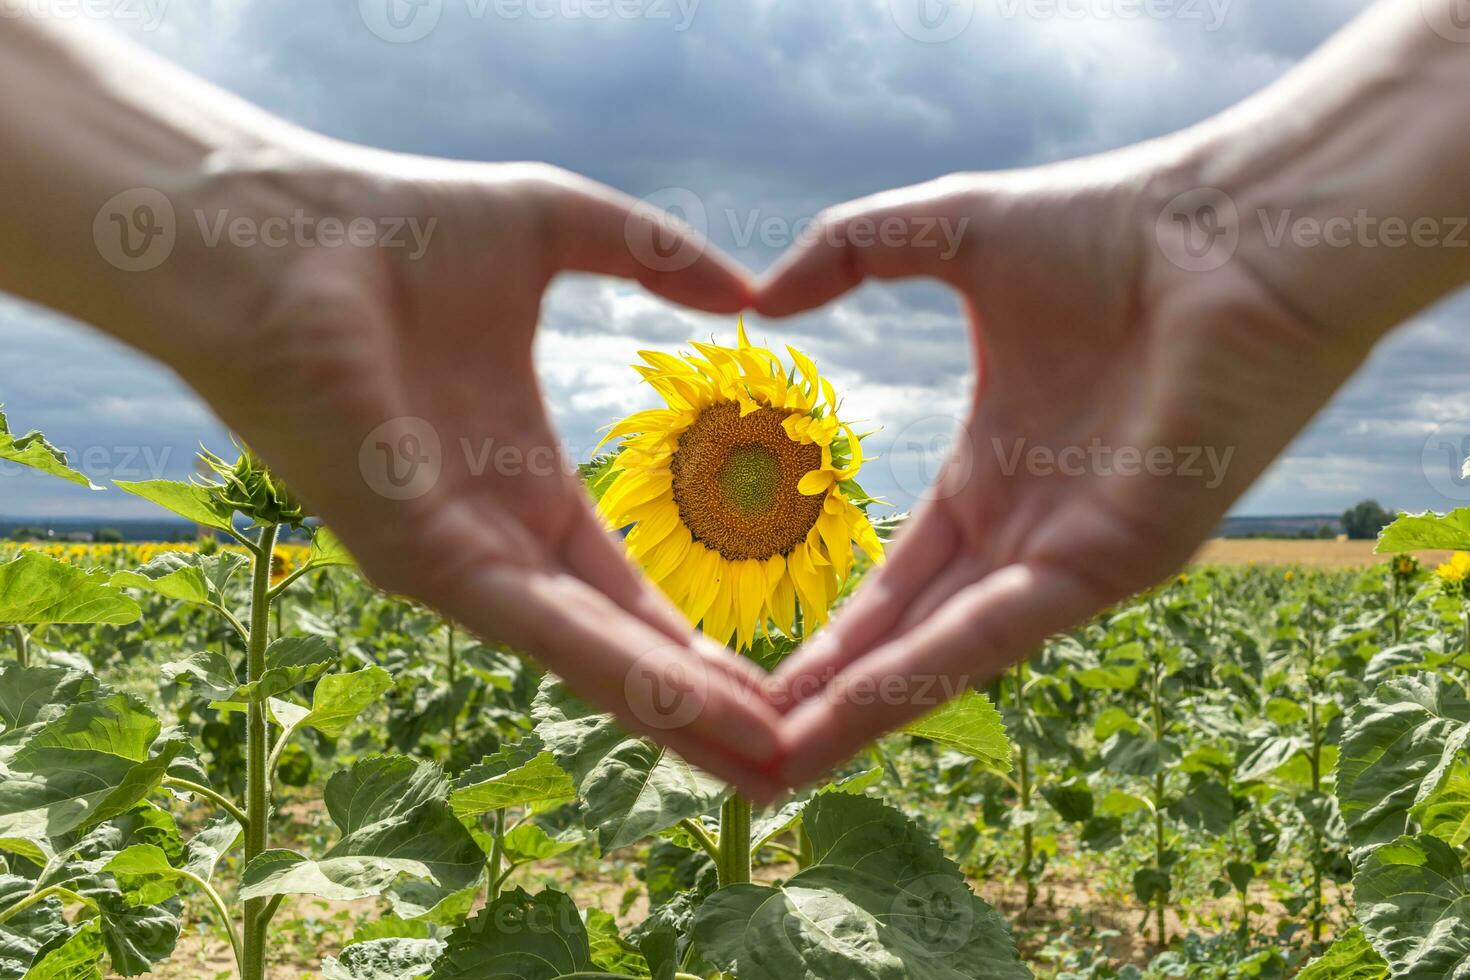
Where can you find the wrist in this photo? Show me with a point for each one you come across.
(1340, 189)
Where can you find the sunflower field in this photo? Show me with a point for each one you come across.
(235, 758)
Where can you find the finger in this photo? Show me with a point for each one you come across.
(596, 559)
(619, 663)
(596, 229)
(968, 641)
(916, 231)
(923, 548)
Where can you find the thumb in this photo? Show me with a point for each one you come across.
(916, 231)
(921, 230)
(593, 228)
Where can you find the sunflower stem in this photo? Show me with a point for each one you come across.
(734, 863)
(257, 749)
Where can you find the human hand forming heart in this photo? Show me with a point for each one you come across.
(1123, 400)
(1123, 403)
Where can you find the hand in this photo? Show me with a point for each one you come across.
(1087, 340)
(361, 373)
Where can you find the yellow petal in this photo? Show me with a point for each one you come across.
(752, 596)
(634, 487)
(718, 624)
(836, 537)
(708, 571)
(816, 482)
(809, 585)
(669, 554)
(783, 605)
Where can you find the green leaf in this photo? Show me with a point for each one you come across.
(185, 577)
(519, 937)
(1426, 531)
(1414, 905)
(79, 958)
(24, 935)
(518, 775)
(1205, 806)
(91, 762)
(1445, 813)
(1398, 745)
(777, 822)
(1130, 754)
(1073, 800)
(1348, 958)
(880, 901)
(36, 590)
(971, 725)
(632, 788)
(35, 695)
(1269, 757)
(383, 959)
(34, 451)
(138, 936)
(1120, 803)
(337, 701)
(196, 504)
(289, 662)
(328, 551)
(396, 824)
(1151, 883)
(1113, 720)
(1119, 670)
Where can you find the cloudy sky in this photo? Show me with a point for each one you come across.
(762, 110)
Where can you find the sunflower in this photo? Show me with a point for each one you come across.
(1454, 573)
(740, 493)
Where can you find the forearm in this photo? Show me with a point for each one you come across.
(85, 118)
(1351, 176)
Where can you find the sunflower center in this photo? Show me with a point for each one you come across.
(749, 478)
(735, 482)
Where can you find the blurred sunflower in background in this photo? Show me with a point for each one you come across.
(1455, 574)
(740, 493)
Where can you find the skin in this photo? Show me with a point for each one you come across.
(305, 352)
(1085, 329)
(1082, 328)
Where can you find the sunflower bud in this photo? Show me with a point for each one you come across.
(250, 488)
(1405, 567)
